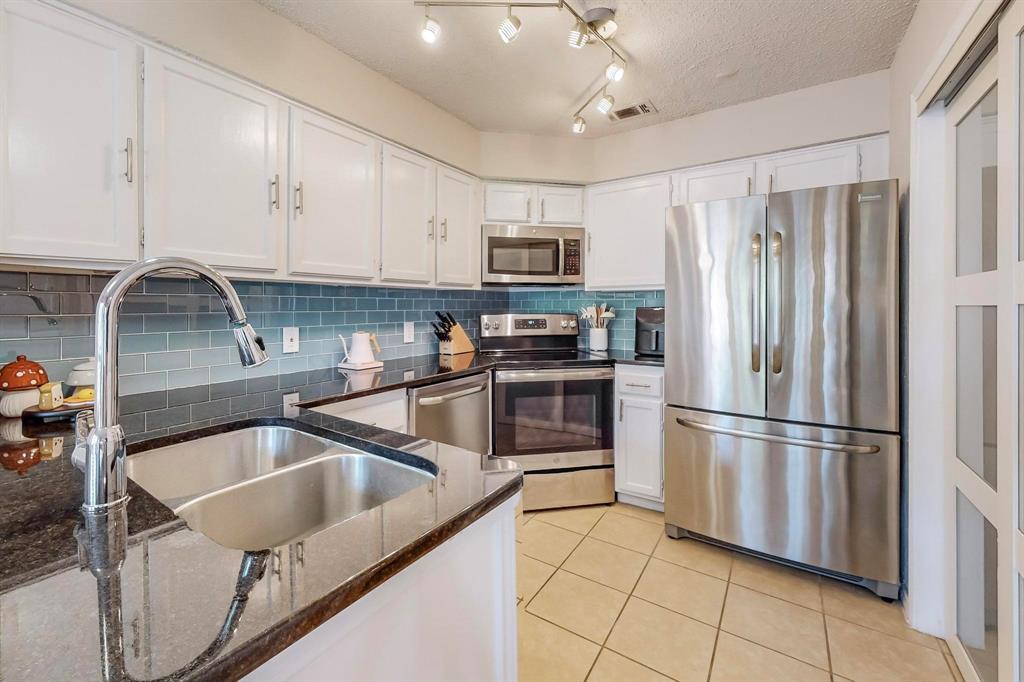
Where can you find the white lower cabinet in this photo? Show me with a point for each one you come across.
(384, 410)
(215, 172)
(334, 198)
(68, 137)
(639, 401)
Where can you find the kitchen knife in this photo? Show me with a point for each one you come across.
(445, 325)
(452, 320)
(438, 332)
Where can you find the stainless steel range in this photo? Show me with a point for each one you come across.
(553, 408)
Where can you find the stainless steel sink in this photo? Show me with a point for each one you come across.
(293, 503)
(265, 486)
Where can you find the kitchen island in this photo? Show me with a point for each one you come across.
(432, 569)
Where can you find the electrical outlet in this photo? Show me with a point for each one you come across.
(410, 332)
(409, 375)
(288, 402)
(291, 340)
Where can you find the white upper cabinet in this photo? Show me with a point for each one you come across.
(560, 205)
(458, 242)
(626, 233)
(408, 228)
(216, 188)
(707, 183)
(334, 198)
(508, 202)
(69, 143)
(819, 167)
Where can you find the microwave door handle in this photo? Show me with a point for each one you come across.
(560, 257)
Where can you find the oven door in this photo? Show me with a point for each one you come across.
(554, 419)
(523, 254)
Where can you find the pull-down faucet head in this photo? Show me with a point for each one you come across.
(106, 482)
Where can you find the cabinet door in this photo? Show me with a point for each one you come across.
(835, 165)
(560, 205)
(407, 217)
(626, 234)
(69, 133)
(638, 460)
(215, 186)
(708, 183)
(334, 206)
(458, 246)
(506, 202)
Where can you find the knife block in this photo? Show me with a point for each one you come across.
(459, 344)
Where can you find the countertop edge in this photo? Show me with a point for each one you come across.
(266, 645)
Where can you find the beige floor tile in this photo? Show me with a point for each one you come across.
(577, 519)
(700, 556)
(672, 644)
(737, 660)
(863, 654)
(791, 584)
(522, 520)
(530, 576)
(628, 532)
(638, 512)
(787, 628)
(547, 543)
(606, 563)
(579, 605)
(611, 667)
(860, 606)
(547, 653)
(684, 591)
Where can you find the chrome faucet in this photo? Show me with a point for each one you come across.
(106, 482)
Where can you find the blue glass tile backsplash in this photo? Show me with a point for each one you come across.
(174, 332)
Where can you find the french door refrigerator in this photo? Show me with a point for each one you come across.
(782, 378)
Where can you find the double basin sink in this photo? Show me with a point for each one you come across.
(264, 486)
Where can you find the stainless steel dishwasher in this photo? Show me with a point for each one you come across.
(456, 412)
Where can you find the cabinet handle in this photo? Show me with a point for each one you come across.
(430, 227)
(638, 385)
(444, 230)
(129, 166)
(590, 242)
(528, 209)
(771, 181)
(275, 192)
(542, 210)
(750, 186)
(620, 408)
(300, 198)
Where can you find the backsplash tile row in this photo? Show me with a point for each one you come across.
(621, 331)
(175, 333)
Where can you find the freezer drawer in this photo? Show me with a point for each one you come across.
(824, 497)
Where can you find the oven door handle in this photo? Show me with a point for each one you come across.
(521, 376)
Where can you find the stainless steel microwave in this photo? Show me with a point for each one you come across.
(532, 254)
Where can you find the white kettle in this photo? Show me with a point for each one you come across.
(360, 353)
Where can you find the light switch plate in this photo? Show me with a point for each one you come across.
(288, 402)
(410, 332)
(291, 340)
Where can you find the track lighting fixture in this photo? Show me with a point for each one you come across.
(431, 30)
(579, 34)
(579, 124)
(615, 71)
(605, 104)
(508, 29)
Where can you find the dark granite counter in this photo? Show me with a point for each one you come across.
(175, 588)
(628, 357)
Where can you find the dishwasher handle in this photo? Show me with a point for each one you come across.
(440, 399)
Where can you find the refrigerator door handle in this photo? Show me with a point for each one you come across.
(777, 296)
(783, 440)
(755, 306)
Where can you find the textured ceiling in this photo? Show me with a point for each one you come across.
(686, 56)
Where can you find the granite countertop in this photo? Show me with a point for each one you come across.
(176, 586)
(628, 357)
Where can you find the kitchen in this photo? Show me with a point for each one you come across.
(632, 358)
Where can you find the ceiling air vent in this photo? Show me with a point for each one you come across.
(641, 109)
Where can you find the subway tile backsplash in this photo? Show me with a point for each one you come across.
(175, 334)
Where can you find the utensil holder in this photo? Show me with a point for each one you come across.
(599, 338)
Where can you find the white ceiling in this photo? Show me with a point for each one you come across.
(687, 56)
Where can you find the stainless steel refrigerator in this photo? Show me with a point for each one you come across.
(782, 378)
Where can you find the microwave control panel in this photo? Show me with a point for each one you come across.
(572, 256)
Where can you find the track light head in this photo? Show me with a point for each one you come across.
(615, 71)
(579, 35)
(579, 124)
(509, 27)
(605, 104)
(431, 30)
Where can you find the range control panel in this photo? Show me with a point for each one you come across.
(527, 324)
(571, 264)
